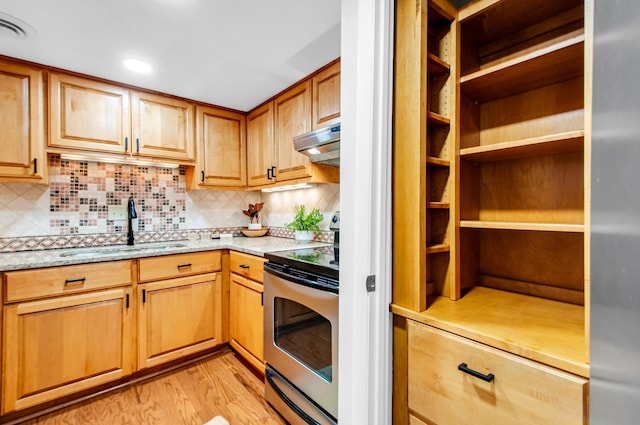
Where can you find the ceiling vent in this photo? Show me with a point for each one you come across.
(13, 27)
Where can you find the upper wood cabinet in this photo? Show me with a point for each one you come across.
(271, 127)
(89, 115)
(292, 114)
(21, 124)
(326, 97)
(221, 148)
(260, 147)
(162, 126)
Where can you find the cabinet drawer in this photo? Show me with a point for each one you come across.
(52, 281)
(521, 391)
(169, 266)
(249, 266)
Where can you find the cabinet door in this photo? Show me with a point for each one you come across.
(60, 346)
(246, 321)
(88, 115)
(178, 317)
(162, 127)
(221, 146)
(326, 97)
(21, 124)
(292, 118)
(260, 149)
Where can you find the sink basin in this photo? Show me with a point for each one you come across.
(122, 249)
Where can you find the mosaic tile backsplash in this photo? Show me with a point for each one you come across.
(73, 209)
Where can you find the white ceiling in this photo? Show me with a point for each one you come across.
(233, 53)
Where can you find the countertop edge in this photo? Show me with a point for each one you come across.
(25, 260)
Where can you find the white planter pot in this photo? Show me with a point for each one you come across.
(255, 226)
(304, 235)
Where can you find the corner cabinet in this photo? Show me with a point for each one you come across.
(93, 116)
(221, 149)
(22, 124)
(66, 329)
(179, 306)
(491, 174)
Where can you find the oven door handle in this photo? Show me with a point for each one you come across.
(305, 417)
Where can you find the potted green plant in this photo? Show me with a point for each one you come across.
(304, 225)
(254, 214)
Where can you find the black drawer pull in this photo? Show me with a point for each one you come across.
(78, 281)
(244, 266)
(182, 266)
(127, 301)
(35, 165)
(488, 378)
(144, 296)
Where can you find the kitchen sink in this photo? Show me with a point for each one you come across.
(123, 249)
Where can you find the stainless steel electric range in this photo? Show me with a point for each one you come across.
(301, 334)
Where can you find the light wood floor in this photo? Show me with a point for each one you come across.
(219, 385)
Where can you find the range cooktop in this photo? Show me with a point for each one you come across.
(320, 260)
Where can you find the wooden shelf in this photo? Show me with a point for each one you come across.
(572, 141)
(432, 160)
(550, 332)
(438, 205)
(437, 66)
(437, 119)
(538, 227)
(438, 248)
(552, 64)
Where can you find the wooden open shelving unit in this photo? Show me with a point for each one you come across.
(491, 231)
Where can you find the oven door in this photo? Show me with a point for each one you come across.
(301, 339)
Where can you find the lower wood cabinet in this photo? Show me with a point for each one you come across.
(246, 321)
(58, 346)
(178, 317)
(457, 381)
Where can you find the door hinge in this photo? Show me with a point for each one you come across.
(371, 283)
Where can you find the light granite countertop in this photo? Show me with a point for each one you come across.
(62, 257)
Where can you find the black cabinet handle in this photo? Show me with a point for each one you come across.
(262, 298)
(78, 281)
(273, 172)
(144, 296)
(137, 145)
(202, 176)
(244, 266)
(182, 266)
(269, 173)
(126, 144)
(127, 301)
(463, 367)
(35, 165)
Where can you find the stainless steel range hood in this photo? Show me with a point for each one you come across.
(322, 145)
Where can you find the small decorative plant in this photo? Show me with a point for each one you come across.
(305, 222)
(254, 212)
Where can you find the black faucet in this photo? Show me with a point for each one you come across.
(131, 214)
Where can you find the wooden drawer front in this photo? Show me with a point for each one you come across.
(169, 266)
(52, 281)
(522, 391)
(249, 266)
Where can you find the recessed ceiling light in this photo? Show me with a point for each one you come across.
(137, 66)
